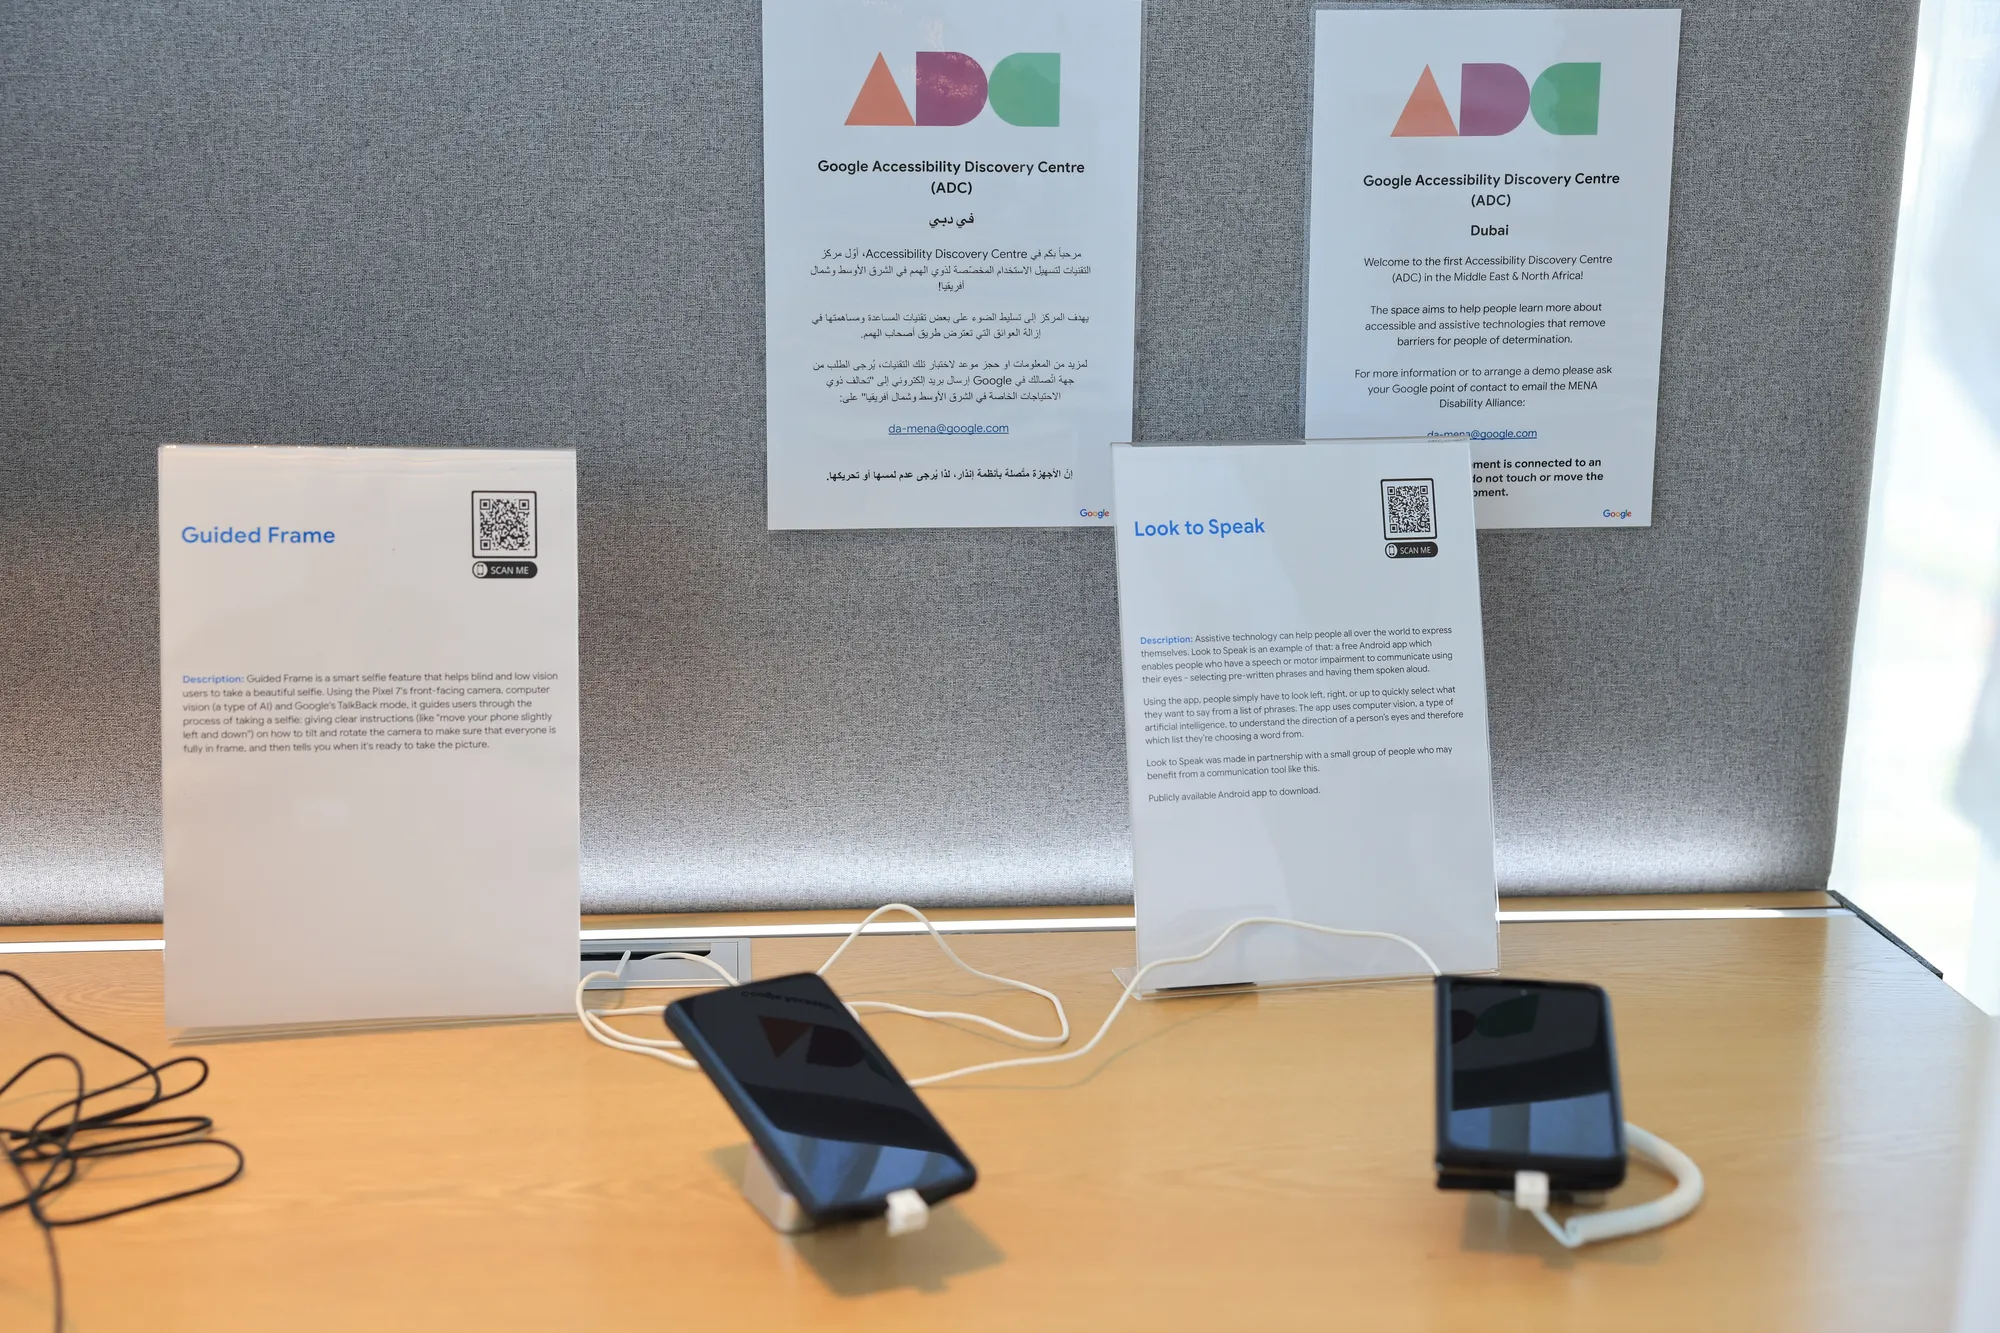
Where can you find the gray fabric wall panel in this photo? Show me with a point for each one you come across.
(504, 224)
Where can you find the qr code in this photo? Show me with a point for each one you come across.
(1409, 508)
(503, 523)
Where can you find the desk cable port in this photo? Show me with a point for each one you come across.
(639, 961)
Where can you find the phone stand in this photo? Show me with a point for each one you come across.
(906, 1211)
(771, 1198)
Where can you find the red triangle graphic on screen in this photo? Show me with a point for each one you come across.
(782, 1033)
(1425, 116)
(880, 101)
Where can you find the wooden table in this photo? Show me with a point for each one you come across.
(1249, 1161)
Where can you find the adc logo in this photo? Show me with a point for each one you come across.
(1023, 89)
(1494, 99)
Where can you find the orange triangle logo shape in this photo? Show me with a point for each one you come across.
(1425, 116)
(880, 101)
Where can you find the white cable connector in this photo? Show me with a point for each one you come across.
(1531, 1195)
(1531, 1191)
(907, 1212)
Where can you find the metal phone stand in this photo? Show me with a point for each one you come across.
(906, 1209)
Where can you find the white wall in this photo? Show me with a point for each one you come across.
(1920, 779)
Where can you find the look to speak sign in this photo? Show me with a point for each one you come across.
(1305, 706)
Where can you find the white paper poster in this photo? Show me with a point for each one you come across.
(368, 717)
(1305, 706)
(1489, 246)
(951, 194)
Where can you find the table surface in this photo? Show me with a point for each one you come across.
(1254, 1159)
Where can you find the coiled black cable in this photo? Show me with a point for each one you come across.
(48, 1154)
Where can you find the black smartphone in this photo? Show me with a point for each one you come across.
(840, 1128)
(1527, 1080)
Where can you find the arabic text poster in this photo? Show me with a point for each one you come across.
(951, 194)
(1488, 246)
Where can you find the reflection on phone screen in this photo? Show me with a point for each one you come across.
(1531, 1071)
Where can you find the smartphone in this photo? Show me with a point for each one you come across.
(839, 1127)
(1527, 1080)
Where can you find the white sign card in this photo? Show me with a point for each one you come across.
(368, 717)
(1305, 706)
(1488, 246)
(951, 196)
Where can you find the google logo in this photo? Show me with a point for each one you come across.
(1618, 513)
(1093, 513)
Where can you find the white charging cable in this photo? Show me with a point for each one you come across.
(1132, 988)
(662, 1048)
(1531, 1195)
(658, 1048)
(946, 1015)
(1531, 1188)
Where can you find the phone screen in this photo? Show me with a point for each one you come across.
(1529, 1070)
(835, 1120)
